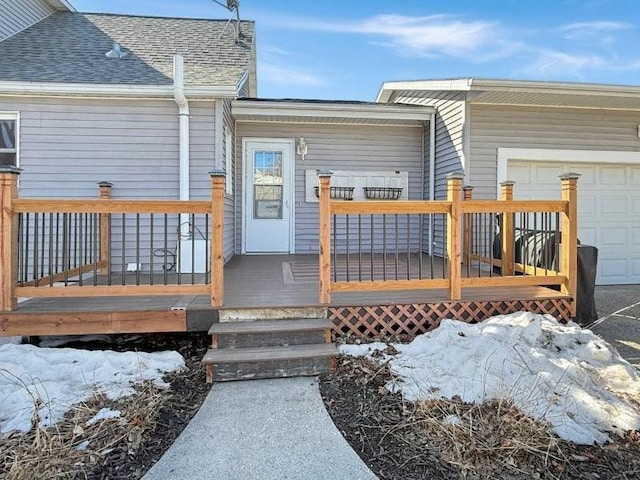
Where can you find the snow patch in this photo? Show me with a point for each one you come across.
(563, 374)
(54, 379)
(104, 414)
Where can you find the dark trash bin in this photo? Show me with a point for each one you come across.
(587, 269)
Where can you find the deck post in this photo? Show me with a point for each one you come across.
(105, 229)
(8, 238)
(569, 237)
(217, 237)
(454, 247)
(507, 231)
(467, 194)
(325, 236)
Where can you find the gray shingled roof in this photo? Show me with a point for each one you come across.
(71, 47)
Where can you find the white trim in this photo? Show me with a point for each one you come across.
(550, 155)
(330, 110)
(61, 5)
(454, 84)
(14, 115)
(228, 160)
(100, 90)
(292, 186)
(336, 121)
(466, 140)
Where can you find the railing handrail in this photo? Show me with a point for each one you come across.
(514, 206)
(106, 206)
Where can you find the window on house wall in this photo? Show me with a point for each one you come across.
(228, 145)
(8, 139)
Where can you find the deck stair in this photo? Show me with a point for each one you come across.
(269, 343)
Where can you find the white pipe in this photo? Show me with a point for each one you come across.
(183, 115)
(432, 171)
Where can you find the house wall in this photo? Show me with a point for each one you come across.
(450, 124)
(67, 145)
(16, 15)
(494, 126)
(450, 146)
(338, 147)
(228, 167)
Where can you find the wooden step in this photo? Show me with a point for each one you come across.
(268, 354)
(270, 326)
(269, 362)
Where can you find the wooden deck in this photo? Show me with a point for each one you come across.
(251, 282)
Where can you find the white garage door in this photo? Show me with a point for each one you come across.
(608, 209)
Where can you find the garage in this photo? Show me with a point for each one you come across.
(608, 202)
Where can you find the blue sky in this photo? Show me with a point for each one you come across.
(345, 49)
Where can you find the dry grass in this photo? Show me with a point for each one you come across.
(487, 440)
(71, 448)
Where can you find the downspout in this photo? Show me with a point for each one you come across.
(432, 171)
(183, 116)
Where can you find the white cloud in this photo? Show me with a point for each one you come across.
(601, 32)
(432, 35)
(553, 63)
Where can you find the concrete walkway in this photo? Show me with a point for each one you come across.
(261, 429)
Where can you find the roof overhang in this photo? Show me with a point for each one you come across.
(285, 111)
(526, 92)
(61, 5)
(107, 90)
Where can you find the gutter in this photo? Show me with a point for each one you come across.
(109, 90)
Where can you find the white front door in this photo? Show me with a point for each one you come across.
(269, 191)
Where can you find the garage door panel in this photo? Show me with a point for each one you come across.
(611, 206)
(613, 270)
(608, 209)
(520, 174)
(613, 175)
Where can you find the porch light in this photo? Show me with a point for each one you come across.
(301, 147)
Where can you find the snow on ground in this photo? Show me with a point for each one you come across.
(563, 374)
(57, 378)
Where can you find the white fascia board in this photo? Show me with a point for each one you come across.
(301, 109)
(454, 84)
(61, 5)
(528, 86)
(106, 90)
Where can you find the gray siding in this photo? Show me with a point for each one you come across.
(450, 118)
(228, 167)
(67, 145)
(449, 143)
(495, 126)
(338, 147)
(16, 15)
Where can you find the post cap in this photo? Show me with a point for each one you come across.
(105, 184)
(325, 173)
(570, 176)
(455, 176)
(218, 173)
(507, 183)
(10, 169)
(467, 187)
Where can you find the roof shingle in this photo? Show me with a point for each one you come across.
(71, 47)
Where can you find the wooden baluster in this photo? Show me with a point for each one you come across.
(105, 230)
(507, 232)
(325, 236)
(569, 236)
(8, 238)
(217, 237)
(454, 244)
(467, 195)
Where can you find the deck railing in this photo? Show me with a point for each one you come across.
(107, 247)
(370, 245)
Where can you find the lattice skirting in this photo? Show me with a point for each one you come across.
(414, 319)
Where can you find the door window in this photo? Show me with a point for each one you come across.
(267, 184)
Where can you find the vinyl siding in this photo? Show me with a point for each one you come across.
(338, 147)
(67, 145)
(228, 167)
(16, 15)
(494, 126)
(449, 143)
